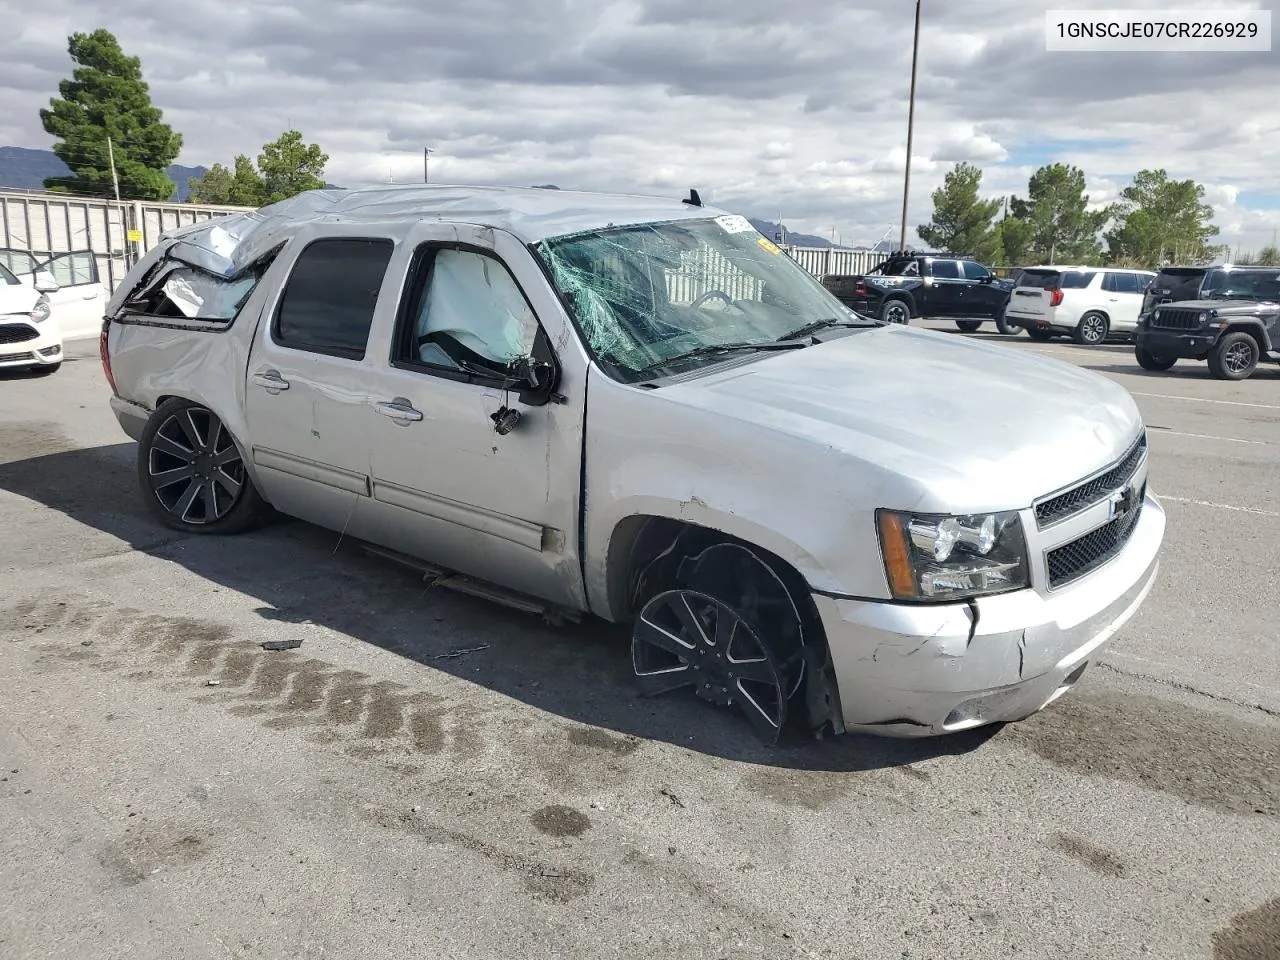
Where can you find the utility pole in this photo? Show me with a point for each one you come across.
(115, 183)
(911, 120)
(426, 170)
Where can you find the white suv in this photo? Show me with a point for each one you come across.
(1088, 303)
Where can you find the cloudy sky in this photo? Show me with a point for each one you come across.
(766, 106)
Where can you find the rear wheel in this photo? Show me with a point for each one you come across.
(1150, 361)
(1004, 325)
(895, 311)
(1235, 357)
(1092, 329)
(968, 326)
(192, 474)
(1041, 336)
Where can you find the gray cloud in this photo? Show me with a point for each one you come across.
(799, 106)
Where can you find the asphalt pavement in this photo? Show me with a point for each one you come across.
(432, 775)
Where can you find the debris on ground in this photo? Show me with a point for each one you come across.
(672, 797)
(453, 655)
(213, 683)
(280, 644)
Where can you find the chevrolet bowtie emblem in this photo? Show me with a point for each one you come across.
(1121, 502)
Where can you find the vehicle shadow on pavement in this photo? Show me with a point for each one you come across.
(305, 575)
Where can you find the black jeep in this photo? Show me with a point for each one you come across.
(1228, 315)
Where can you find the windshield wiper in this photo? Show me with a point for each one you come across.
(713, 349)
(817, 325)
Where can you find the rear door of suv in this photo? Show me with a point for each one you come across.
(1030, 299)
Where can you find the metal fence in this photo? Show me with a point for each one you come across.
(821, 261)
(45, 224)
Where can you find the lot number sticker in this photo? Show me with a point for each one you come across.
(735, 224)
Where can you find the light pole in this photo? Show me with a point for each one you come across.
(911, 121)
(426, 170)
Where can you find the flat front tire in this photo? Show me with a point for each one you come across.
(192, 472)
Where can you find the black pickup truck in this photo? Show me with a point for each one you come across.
(1227, 315)
(927, 285)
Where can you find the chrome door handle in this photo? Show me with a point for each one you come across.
(398, 409)
(271, 380)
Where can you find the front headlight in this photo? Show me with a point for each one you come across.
(933, 558)
(40, 312)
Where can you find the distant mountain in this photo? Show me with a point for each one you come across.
(24, 169)
(770, 230)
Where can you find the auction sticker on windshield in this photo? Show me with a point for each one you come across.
(732, 223)
(769, 245)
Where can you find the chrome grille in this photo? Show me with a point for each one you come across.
(1073, 560)
(16, 333)
(1167, 319)
(1086, 494)
(6, 357)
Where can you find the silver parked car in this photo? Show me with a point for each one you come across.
(644, 410)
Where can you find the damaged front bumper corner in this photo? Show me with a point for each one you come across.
(919, 670)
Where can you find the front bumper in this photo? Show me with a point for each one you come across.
(916, 670)
(1183, 344)
(44, 349)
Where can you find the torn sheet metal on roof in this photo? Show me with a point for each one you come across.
(227, 245)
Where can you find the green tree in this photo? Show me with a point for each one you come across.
(961, 222)
(288, 166)
(241, 187)
(107, 97)
(1063, 229)
(1268, 256)
(1012, 242)
(1161, 221)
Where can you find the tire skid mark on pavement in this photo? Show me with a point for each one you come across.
(281, 690)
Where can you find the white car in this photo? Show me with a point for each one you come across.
(29, 337)
(1087, 303)
(78, 298)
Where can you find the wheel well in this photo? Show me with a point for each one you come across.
(1251, 330)
(645, 557)
(904, 297)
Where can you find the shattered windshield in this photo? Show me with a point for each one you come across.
(653, 294)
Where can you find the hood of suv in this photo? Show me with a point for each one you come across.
(975, 426)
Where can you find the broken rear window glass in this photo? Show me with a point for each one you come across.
(648, 293)
(175, 289)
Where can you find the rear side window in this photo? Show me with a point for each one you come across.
(1060, 279)
(328, 302)
(1077, 279)
(175, 289)
(944, 269)
(1125, 282)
